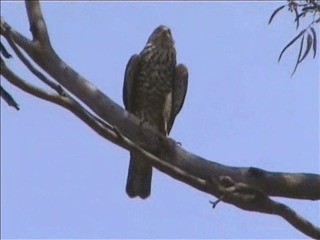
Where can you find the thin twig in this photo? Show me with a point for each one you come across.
(41, 76)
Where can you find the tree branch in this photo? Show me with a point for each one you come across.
(32, 69)
(252, 199)
(37, 24)
(65, 101)
(27, 45)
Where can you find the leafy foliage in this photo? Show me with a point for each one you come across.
(308, 35)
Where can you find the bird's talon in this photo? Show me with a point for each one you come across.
(214, 203)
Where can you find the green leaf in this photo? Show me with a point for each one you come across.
(309, 44)
(290, 43)
(298, 59)
(314, 41)
(297, 17)
(275, 12)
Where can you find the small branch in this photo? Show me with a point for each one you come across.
(37, 73)
(37, 24)
(33, 90)
(50, 83)
(72, 105)
(252, 199)
(297, 221)
(27, 45)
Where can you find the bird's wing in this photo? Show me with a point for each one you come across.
(179, 91)
(129, 78)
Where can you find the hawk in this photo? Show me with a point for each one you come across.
(154, 90)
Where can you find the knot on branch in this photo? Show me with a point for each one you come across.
(240, 194)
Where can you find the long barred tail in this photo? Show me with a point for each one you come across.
(139, 177)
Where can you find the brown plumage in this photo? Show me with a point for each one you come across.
(154, 90)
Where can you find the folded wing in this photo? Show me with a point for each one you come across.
(179, 91)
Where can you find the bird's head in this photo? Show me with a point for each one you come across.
(161, 36)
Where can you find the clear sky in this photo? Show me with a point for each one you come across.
(59, 179)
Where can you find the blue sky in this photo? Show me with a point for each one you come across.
(61, 180)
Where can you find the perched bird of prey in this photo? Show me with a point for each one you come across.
(154, 90)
